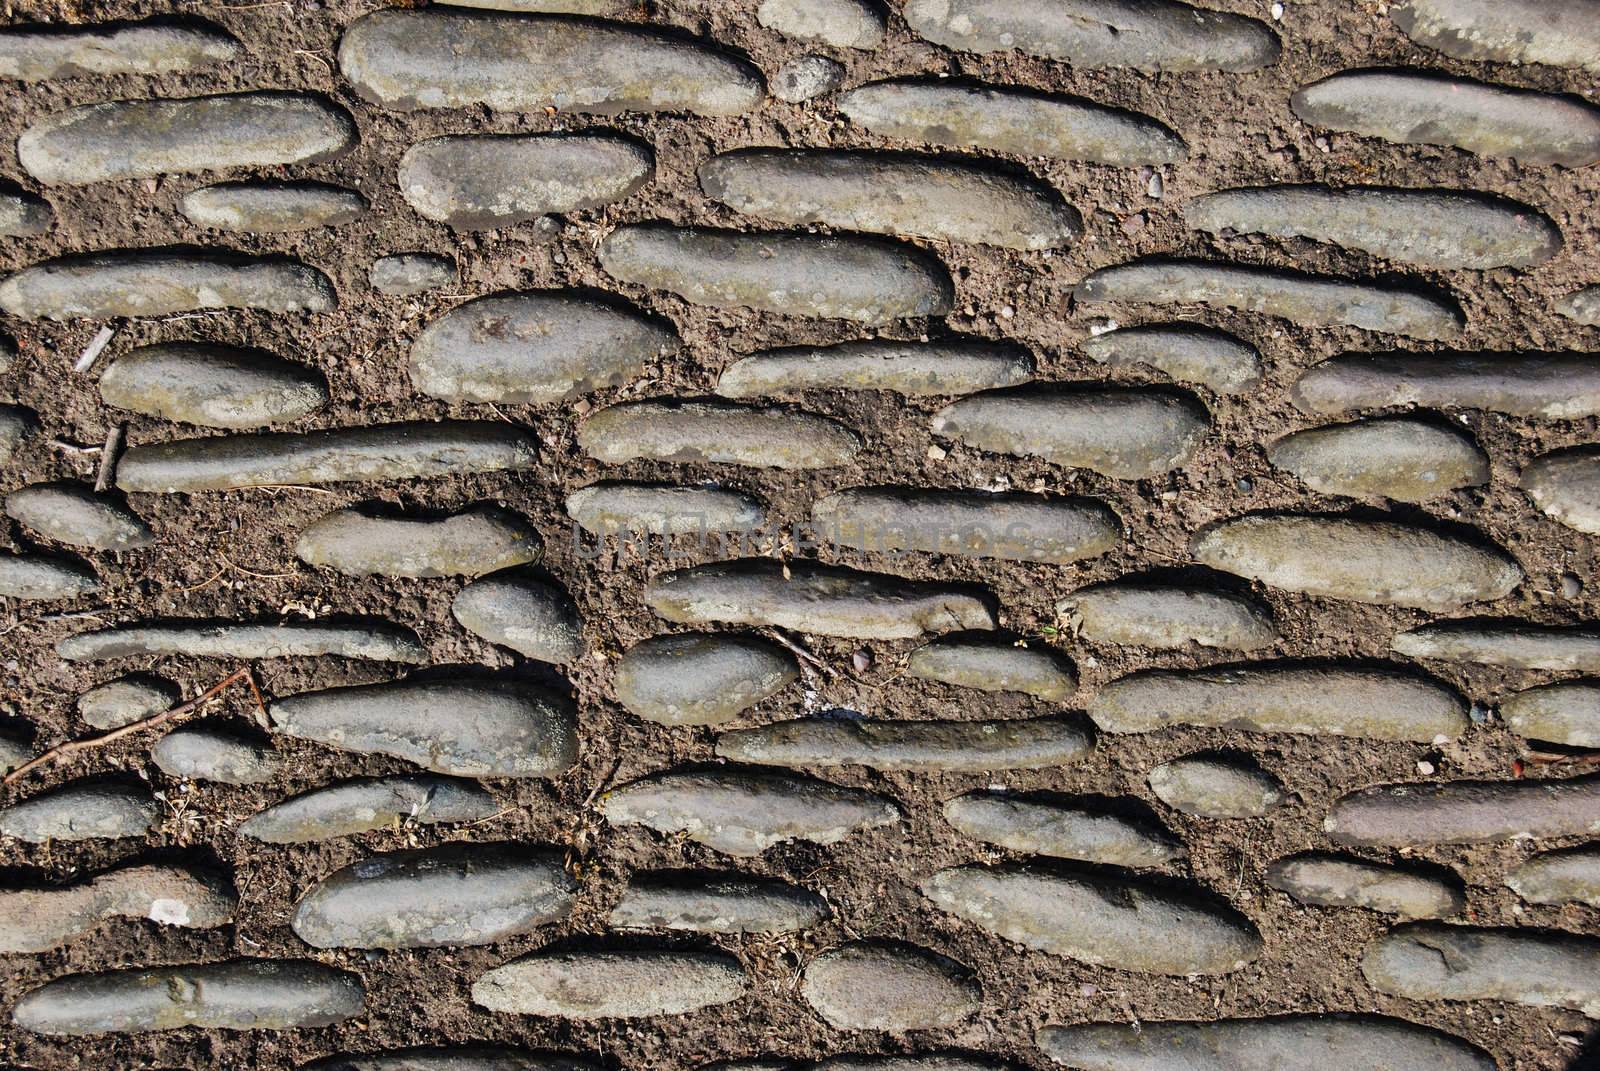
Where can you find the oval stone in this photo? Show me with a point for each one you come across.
(840, 23)
(264, 208)
(45, 918)
(100, 286)
(1565, 713)
(1554, 385)
(1566, 486)
(1213, 786)
(81, 810)
(459, 1057)
(1062, 828)
(1407, 460)
(225, 756)
(409, 274)
(716, 433)
(366, 804)
(23, 215)
(700, 678)
(1432, 961)
(477, 540)
(16, 424)
(610, 985)
(609, 508)
(37, 53)
(211, 385)
(881, 985)
(1142, 613)
(991, 666)
(1581, 305)
(126, 700)
(1494, 643)
(714, 902)
(806, 77)
(922, 746)
(34, 576)
(1340, 881)
(1465, 812)
(1564, 877)
(377, 640)
(916, 369)
(74, 514)
(518, 610)
(1506, 31)
(1189, 353)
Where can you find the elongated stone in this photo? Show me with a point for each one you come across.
(1017, 121)
(16, 425)
(1383, 704)
(881, 985)
(1383, 562)
(884, 193)
(610, 985)
(1554, 385)
(126, 700)
(23, 215)
(1581, 305)
(1314, 300)
(477, 540)
(240, 994)
(448, 896)
(1465, 812)
(466, 727)
(1431, 961)
(712, 902)
(1416, 107)
(1062, 828)
(806, 77)
(969, 524)
(533, 348)
(1190, 353)
(225, 756)
(127, 139)
(1566, 713)
(922, 746)
(610, 508)
(408, 274)
(1213, 786)
(1122, 923)
(518, 610)
(34, 576)
(1340, 881)
(981, 663)
(700, 678)
(1142, 613)
(745, 812)
(840, 23)
(330, 455)
(264, 208)
(99, 286)
(1432, 228)
(81, 810)
(45, 918)
(1328, 1042)
(862, 279)
(1571, 876)
(716, 433)
(1506, 31)
(1159, 36)
(457, 1057)
(926, 1061)
(821, 599)
(214, 386)
(916, 369)
(481, 182)
(72, 513)
(363, 805)
(445, 59)
(1407, 460)
(376, 640)
(37, 54)
(1566, 485)
(1494, 643)
(1124, 433)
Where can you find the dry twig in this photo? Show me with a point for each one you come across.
(108, 457)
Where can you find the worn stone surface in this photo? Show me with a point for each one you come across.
(211, 385)
(840, 23)
(409, 274)
(805, 78)
(458, 1057)
(611, 984)
(1407, 460)
(1506, 31)
(81, 810)
(1124, 923)
(1128, 433)
(23, 215)
(1552, 385)
(1141, 612)
(1430, 961)
(71, 513)
(38, 53)
(867, 280)
(745, 812)
(125, 139)
(126, 700)
(880, 985)
(42, 918)
(1341, 881)
(1581, 305)
(17, 423)
(34, 576)
(1518, 645)
(1063, 828)
(138, 283)
(1566, 713)
(474, 541)
(264, 208)
(15, 749)
(366, 804)
(1384, 704)
(377, 640)
(990, 666)
(1566, 485)
(957, 746)
(1190, 353)
(1216, 786)
(1465, 812)
(700, 678)
(1570, 876)
(917, 369)
(717, 433)
(226, 756)
(716, 902)
(1417, 107)
(926, 1061)
(518, 610)
(611, 508)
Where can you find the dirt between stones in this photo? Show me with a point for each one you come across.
(230, 555)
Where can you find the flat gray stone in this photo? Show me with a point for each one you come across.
(712, 902)
(211, 385)
(991, 666)
(1126, 924)
(1021, 122)
(1383, 704)
(806, 77)
(927, 1061)
(969, 524)
(1407, 460)
(1431, 961)
(518, 610)
(534, 348)
(716, 433)
(1565, 713)
(611, 984)
(272, 208)
(1142, 613)
(366, 804)
(1520, 645)
(1341, 881)
(1313, 300)
(1161, 35)
(1418, 107)
(448, 896)
(100, 286)
(1566, 486)
(1557, 386)
(1212, 786)
(891, 193)
(328, 455)
(1127, 433)
(863, 279)
(408, 274)
(44, 918)
(1190, 353)
(1564, 877)
(823, 600)
(1063, 829)
(1581, 305)
(455, 1057)
(745, 812)
(1465, 812)
(920, 746)
(72, 513)
(239, 994)
(33, 576)
(466, 727)
(39, 53)
(81, 810)
(127, 139)
(23, 215)
(476, 540)
(126, 700)
(612, 508)
(840, 23)
(481, 182)
(1431, 228)
(376, 640)
(1506, 31)
(15, 750)
(700, 678)
(881, 985)
(406, 60)
(225, 756)
(549, 7)
(916, 369)
(1381, 562)
(16, 425)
